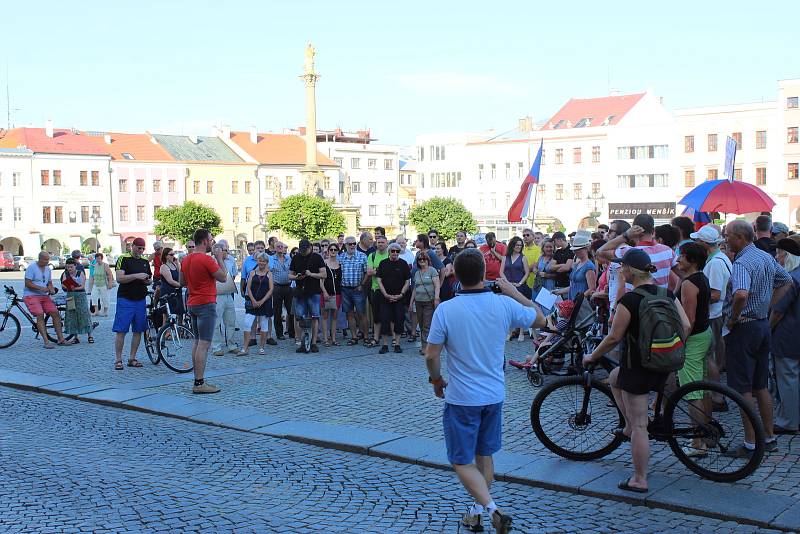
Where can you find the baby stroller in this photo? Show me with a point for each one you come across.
(579, 336)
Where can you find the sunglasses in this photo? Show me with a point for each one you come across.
(350, 244)
(422, 260)
(191, 246)
(526, 235)
(433, 236)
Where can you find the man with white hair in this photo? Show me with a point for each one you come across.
(36, 295)
(225, 332)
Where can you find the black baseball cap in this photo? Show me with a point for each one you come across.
(636, 258)
(304, 244)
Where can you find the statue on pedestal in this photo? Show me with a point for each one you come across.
(276, 190)
(347, 190)
(308, 66)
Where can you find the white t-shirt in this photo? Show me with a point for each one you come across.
(718, 271)
(472, 327)
(613, 284)
(39, 276)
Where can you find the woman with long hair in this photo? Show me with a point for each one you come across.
(583, 275)
(631, 383)
(170, 271)
(514, 269)
(331, 295)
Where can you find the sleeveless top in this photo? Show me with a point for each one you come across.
(167, 289)
(100, 276)
(701, 320)
(577, 279)
(515, 270)
(547, 283)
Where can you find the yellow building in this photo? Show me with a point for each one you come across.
(217, 177)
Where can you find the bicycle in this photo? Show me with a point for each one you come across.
(10, 327)
(154, 322)
(174, 341)
(577, 418)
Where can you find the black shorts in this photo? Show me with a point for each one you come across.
(640, 381)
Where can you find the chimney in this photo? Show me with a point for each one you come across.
(48, 128)
(193, 138)
(107, 138)
(526, 124)
(253, 135)
(225, 131)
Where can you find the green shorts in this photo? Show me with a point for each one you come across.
(695, 367)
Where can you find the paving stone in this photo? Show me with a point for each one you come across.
(159, 403)
(91, 388)
(27, 380)
(336, 436)
(409, 449)
(789, 519)
(223, 416)
(721, 499)
(254, 421)
(114, 395)
(63, 386)
(607, 486)
(557, 473)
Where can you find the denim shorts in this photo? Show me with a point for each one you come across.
(471, 430)
(204, 319)
(306, 307)
(353, 298)
(747, 349)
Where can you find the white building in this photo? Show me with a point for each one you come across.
(602, 158)
(370, 171)
(68, 178)
(16, 211)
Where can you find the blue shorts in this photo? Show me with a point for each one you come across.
(353, 300)
(747, 349)
(471, 430)
(130, 315)
(306, 307)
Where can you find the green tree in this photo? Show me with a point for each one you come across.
(446, 215)
(180, 222)
(304, 216)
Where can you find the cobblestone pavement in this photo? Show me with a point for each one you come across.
(70, 466)
(360, 387)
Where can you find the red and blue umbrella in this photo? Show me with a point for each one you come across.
(726, 196)
(697, 216)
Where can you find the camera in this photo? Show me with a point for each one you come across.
(495, 288)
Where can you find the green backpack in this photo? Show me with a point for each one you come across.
(661, 335)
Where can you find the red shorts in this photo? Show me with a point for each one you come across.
(40, 304)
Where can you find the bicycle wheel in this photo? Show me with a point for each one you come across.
(9, 330)
(150, 338)
(51, 329)
(175, 344)
(700, 437)
(564, 427)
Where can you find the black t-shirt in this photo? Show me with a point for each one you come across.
(703, 301)
(631, 301)
(561, 256)
(312, 262)
(137, 289)
(394, 274)
(454, 250)
(767, 244)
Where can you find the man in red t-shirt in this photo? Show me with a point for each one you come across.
(493, 253)
(200, 272)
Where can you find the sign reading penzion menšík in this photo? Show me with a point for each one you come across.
(629, 210)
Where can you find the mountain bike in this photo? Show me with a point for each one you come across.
(155, 319)
(576, 417)
(10, 328)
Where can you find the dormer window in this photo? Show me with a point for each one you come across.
(584, 122)
(127, 155)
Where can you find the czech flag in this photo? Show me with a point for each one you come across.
(527, 191)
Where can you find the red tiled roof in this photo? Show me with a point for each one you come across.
(277, 149)
(62, 142)
(599, 110)
(139, 146)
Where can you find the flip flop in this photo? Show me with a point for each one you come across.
(118, 366)
(625, 485)
(90, 340)
(134, 363)
(621, 433)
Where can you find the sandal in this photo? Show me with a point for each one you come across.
(327, 343)
(90, 339)
(351, 342)
(134, 363)
(370, 343)
(335, 343)
(626, 485)
(118, 366)
(241, 352)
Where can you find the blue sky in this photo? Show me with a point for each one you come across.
(399, 68)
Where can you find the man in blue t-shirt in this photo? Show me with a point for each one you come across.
(472, 327)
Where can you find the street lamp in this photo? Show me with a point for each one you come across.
(595, 202)
(404, 216)
(95, 220)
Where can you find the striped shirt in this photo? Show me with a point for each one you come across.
(660, 255)
(756, 272)
(353, 268)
